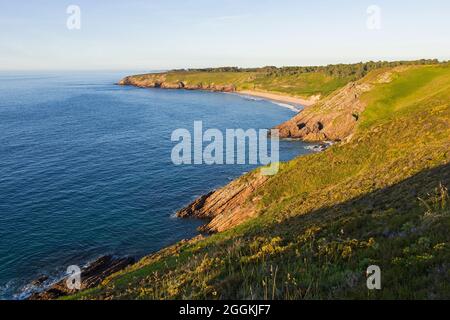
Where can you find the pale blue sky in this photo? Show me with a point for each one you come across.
(157, 34)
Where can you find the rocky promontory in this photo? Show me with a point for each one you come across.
(228, 206)
(160, 81)
(333, 119)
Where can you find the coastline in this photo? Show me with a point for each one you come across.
(237, 191)
(295, 104)
(49, 287)
(233, 197)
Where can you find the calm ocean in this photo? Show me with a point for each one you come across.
(85, 167)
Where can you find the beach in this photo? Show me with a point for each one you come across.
(281, 98)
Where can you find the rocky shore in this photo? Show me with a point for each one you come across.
(91, 276)
(228, 206)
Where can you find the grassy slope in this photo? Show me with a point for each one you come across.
(326, 217)
(301, 85)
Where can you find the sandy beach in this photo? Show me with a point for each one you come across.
(281, 98)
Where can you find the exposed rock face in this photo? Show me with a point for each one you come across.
(226, 207)
(333, 119)
(159, 81)
(91, 276)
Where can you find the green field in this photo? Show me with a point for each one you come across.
(380, 199)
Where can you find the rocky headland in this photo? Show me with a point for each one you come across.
(331, 120)
(160, 81)
(228, 206)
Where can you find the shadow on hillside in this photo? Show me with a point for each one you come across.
(402, 196)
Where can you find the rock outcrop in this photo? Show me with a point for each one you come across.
(226, 207)
(333, 119)
(91, 276)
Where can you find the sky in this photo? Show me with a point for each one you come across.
(164, 34)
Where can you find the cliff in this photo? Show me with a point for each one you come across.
(160, 81)
(228, 206)
(336, 117)
(333, 119)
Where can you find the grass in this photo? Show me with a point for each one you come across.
(380, 199)
(409, 91)
(305, 85)
(237, 78)
(300, 85)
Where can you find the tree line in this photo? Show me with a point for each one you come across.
(355, 70)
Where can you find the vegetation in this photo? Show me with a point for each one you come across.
(295, 81)
(357, 70)
(380, 199)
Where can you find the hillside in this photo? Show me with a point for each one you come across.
(307, 83)
(378, 198)
(335, 118)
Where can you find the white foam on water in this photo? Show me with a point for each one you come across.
(285, 105)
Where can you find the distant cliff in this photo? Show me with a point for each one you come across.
(160, 81)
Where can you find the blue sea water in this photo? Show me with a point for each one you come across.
(85, 167)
